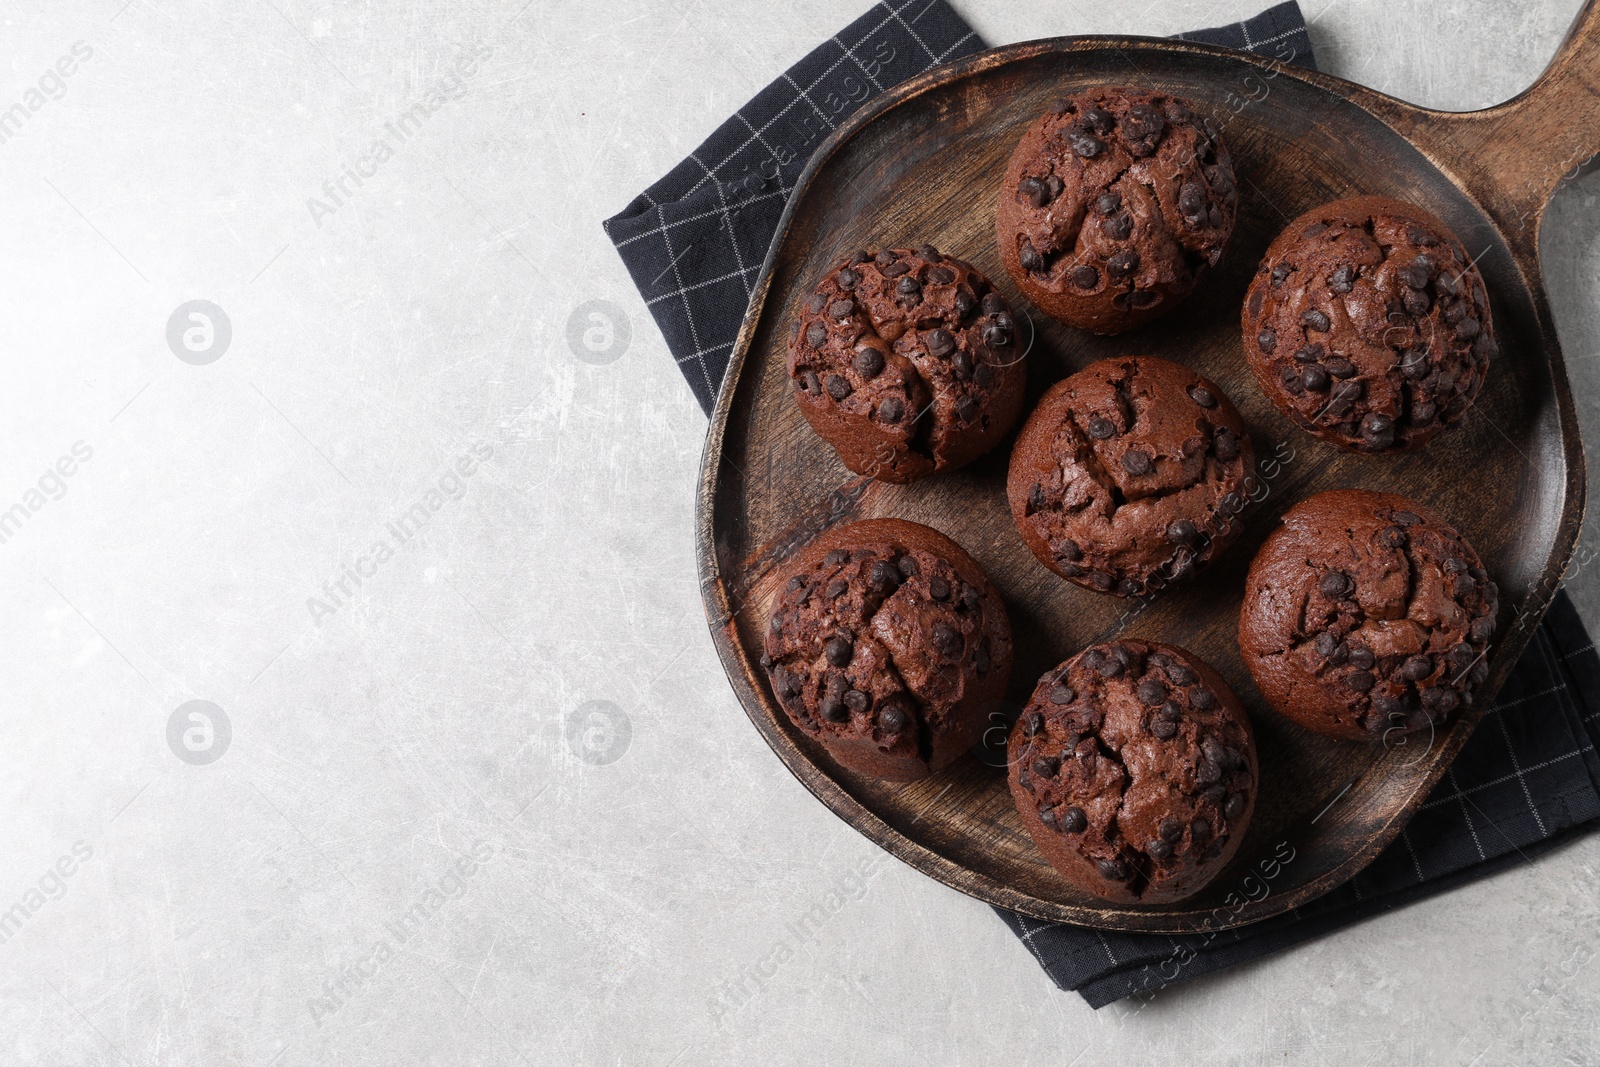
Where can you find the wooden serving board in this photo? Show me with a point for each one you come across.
(922, 163)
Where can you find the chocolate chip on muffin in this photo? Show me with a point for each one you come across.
(1368, 324)
(907, 362)
(888, 645)
(1366, 615)
(1130, 474)
(1134, 769)
(1114, 204)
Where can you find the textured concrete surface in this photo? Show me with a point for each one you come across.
(488, 799)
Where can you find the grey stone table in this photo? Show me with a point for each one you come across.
(359, 707)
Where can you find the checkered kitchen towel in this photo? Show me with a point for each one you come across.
(694, 243)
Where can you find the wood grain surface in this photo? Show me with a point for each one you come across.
(922, 163)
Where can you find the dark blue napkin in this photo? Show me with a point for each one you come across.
(694, 243)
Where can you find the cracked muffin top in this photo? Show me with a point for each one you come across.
(907, 362)
(1368, 325)
(888, 645)
(1114, 204)
(1134, 768)
(1130, 474)
(1366, 615)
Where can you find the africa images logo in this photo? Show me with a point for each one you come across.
(355, 976)
(452, 485)
(52, 885)
(52, 485)
(52, 86)
(397, 132)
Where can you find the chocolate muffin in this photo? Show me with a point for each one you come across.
(1130, 474)
(1115, 203)
(1368, 325)
(888, 645)
(1134, 768)
(907, 362)
(1366, 615)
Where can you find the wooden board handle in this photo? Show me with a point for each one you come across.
(1513, 156)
